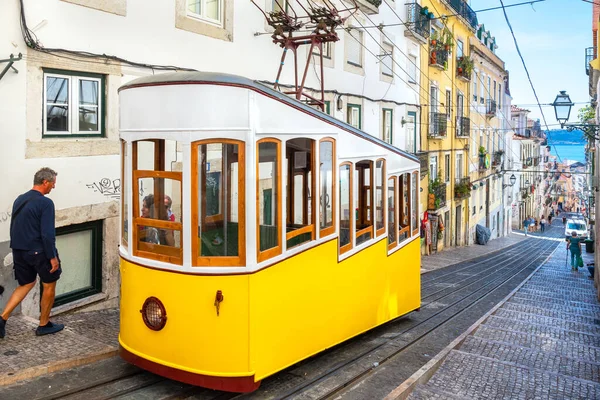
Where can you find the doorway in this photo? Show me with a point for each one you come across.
(457, 225)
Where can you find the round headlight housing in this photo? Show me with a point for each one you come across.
(154, 314)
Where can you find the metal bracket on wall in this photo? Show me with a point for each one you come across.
(10, 62)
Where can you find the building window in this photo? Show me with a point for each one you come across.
(326, 50)
(447, 168)
(411, 132)
(300, 221)
(363, 199)
(499, 95)
(391, 201)
(354, 48)
(404, 208)
(379, 198)
(73, 103)
(207, 10)
(327, 185)
(448, 104)
(157, 195)
(346, 206)
(459, 48)
(411, 68)
(327, 107)
(354, 116)
(387, 60)
(459, 167)
(81, 261)
(268, 207)
(387, 118)
(218, 183)
(475, 86)
(433, 168)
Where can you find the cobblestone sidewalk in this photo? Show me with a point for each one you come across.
(543, 343)
(87, 337)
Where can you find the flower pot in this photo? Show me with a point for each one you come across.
(433, 42)
(460, 70)
(447, 47)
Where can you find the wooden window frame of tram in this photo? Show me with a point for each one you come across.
(217, 261)
(124, 238)
(394, 180)
(274, 251)
(347, 247)
(401, 205)
(415, 195)
(158, 252)
(310, 225)
(379, 232)
(362, 198)
(331, 229)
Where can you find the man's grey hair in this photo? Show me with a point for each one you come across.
(44, 174)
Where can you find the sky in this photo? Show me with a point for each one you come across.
(552, 36)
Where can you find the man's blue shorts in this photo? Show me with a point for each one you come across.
(30, 263)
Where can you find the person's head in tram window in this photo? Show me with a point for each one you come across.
(148, 206)
(168, 203)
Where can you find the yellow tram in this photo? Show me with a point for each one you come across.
(256, 231)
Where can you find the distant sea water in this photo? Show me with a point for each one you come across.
(569, 151)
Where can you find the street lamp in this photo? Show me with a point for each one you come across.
(562, 107)
(512, 180)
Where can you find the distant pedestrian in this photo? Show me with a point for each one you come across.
(526, 225)
(33, 244)
(536, 223)
(550, 219)
(564, 221)
(574, 245)
(543, 224)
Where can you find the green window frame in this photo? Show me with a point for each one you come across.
(327, 107)
(384, 120)
(95, 228)
(75, 102)
(350, 107)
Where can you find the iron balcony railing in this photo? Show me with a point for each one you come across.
(463, 127)
(589, 56)
(417, 22)
(439, 58)
(490, 109)
(437, 197)
(465, 11)
(438, 124)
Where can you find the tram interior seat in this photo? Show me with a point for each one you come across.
(215, 243)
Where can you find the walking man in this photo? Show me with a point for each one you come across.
(33, 244)
(526, 225)
(543, 223)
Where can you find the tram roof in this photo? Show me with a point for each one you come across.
(192, 77)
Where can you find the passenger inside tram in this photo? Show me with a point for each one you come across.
(150, 234)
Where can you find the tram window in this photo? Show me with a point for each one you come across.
(124, 195)
(363, 178)
(391, 199)
(414, 203)
(379, 199)
(219, 190)
(403, 196)
(300, 225)
(345, 239)
(157, 198)
(327, 178)
(269, 199)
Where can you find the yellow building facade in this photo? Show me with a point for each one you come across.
(447, 65)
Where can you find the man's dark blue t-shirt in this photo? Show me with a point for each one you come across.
(33, 227)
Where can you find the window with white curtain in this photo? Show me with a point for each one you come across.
(387, 59)
(411, 68)
(210, 10)
(354, 47)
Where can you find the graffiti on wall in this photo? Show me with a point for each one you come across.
(107, 187)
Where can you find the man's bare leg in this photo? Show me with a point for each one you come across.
(47, 302)
(16, 298)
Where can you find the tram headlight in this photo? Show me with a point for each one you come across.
(154, 314)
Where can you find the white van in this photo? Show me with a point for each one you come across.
(576, 225)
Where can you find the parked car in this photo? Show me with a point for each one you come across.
(576, 225)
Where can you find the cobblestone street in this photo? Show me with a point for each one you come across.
(544, 342)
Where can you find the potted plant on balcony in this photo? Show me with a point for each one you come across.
(462, 190)
(465, 66)
(434, 201)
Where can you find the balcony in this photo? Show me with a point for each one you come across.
(464, 68)
(462, 188)
(437, 195)
(418, 25)
(536, 161)
(369, 6)
(490, 109)
(497, 159)
(438, 57)
(438, 125)
(463, 9)
(484, 162)
(589, 56)
(463, 127)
